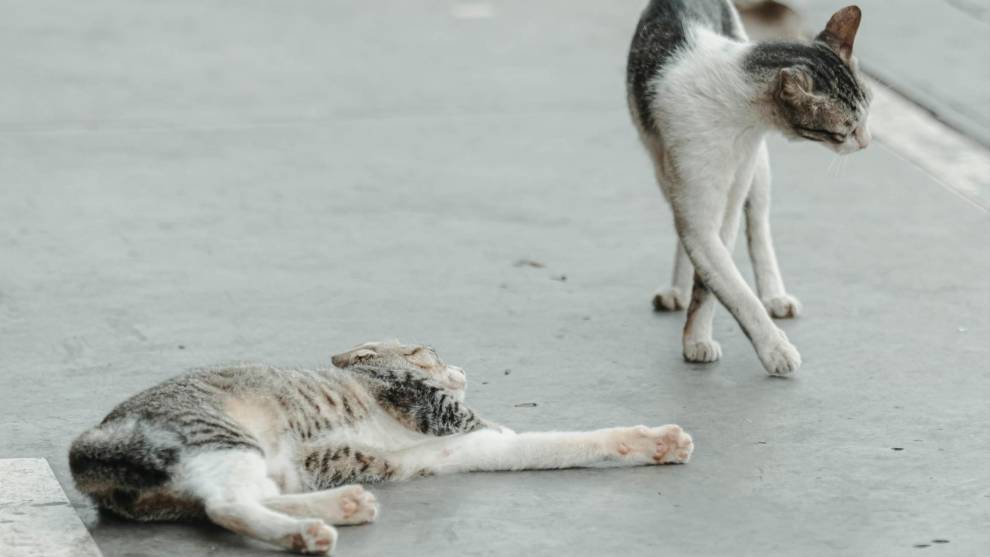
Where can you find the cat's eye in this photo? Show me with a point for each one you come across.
(816, 134)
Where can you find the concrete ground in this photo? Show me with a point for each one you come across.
(188, 183)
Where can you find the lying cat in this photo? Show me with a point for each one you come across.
(276, 454)
(703, 99)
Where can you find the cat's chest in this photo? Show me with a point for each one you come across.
(378, 430)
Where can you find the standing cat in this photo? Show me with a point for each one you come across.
(703, 99)
(276, 454)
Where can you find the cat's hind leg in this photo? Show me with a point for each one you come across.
(769, 284)
(350, 504)
(676, 297)
(232, 485)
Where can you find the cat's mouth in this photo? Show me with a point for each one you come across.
(454, 379)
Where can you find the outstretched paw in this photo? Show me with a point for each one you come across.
(779, 357)
(783, 307)
(357, 505)
(667, 444)
(314, 538)
(702, 351)
(671, 299)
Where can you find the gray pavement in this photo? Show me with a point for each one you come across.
(188, 183)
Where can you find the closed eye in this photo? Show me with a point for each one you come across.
(816, 134)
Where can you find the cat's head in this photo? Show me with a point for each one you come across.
(392, 355)
(818, 90)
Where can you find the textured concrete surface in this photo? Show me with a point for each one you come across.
(35, 515)
(190, 183)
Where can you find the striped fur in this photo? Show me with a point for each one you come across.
(256, 408)
(276, 453)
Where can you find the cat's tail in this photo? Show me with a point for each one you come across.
(128, 455)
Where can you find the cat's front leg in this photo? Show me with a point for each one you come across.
(489, 450)
(667, 444)
(699, 345)
(704, 194)
(713, 263)
(769, 283)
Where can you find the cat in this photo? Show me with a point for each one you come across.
(278, 454)
(703, 99)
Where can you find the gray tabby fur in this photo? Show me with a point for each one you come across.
(274, 453)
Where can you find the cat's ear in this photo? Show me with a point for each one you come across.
(348, 359)
(840, 33)
(793, 85)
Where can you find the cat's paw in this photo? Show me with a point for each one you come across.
(702, 351)
(314, 538)
(783, 307)
(356, 505)
(779, 356)
(671, 299)
(667, 444)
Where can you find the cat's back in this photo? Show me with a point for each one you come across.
(214, 389)
(664, 31)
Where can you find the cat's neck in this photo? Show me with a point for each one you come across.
(714, 88)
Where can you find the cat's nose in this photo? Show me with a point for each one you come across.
(863, 136)
(457, 376)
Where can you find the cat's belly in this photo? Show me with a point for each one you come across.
(379, 434)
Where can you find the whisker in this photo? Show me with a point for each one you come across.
(831, 166)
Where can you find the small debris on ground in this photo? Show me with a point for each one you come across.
(529, 263)
(508, 371)
(921, 545)
(897, 448)
(182, 347)
(525, 405)
(560, 278)
(962, 329)
(940, 540)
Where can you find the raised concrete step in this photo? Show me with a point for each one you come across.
(35, 516)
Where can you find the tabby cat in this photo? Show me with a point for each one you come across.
(277, 454)
(703, 98)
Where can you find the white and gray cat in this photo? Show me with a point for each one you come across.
(703, 98)
(278, 454)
